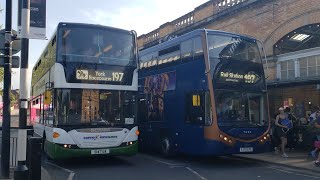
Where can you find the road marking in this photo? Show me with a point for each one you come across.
(71, 173)
(171, 165)
(196, 173)
(162, 162)
(298, 174)
(167, 163)
(71, 176)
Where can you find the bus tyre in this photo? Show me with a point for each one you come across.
(166, 147)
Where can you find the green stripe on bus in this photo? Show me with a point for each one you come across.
(55, 151)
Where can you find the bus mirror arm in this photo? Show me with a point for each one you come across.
(265, 58)
(136, 46)
(205, 50)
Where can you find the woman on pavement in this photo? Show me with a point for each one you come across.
(317, 143)
(283, 135)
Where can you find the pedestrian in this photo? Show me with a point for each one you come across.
(316, 129)
(291, 134)
(313, 115)
(280, 132)
(275, 139)
(317, 143)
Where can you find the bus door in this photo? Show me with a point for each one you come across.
(195, 118)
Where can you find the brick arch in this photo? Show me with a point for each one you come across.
(303, 19)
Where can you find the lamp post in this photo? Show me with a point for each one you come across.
(5, 148)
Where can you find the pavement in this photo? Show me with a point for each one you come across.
(44, 175)
(14, 134)
(297, 159)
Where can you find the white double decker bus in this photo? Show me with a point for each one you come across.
(83, 96)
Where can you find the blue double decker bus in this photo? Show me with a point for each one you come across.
(203, 93)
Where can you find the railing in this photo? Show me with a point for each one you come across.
(184, 21)
(224, 4)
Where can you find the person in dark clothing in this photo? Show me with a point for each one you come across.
(282, 134)
(275, 139)
(291, 135)
(317, 143)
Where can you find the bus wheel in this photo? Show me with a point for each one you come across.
(166, 147)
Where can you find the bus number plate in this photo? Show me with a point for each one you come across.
(100, 151)
(246, 149)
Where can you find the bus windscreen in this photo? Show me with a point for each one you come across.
(232, 47)
(95, 107)
(239, 108)
(96, 45)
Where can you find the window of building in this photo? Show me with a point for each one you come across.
(287, 69)
(309, 66)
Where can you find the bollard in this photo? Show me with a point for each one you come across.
(34, 158)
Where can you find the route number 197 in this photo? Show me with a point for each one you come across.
(117, 76)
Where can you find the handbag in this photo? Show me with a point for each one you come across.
(288, 123)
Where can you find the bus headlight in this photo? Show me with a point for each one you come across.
(67, 146)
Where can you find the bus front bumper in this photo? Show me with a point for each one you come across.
(55, 151)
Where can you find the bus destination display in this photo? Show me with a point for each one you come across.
(248, 78)
(99, 75)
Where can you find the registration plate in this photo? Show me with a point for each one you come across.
(246, 149)
(100, 151)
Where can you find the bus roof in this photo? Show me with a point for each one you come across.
(190, 35)
(70, 24)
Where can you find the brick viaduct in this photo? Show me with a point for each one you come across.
(266, 20)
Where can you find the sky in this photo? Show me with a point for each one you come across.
(143, 16)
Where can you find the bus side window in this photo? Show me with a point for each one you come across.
(197, 48)
(169, 56)
(186, 50)
(149, 60)
(195, 112)
(48, 110)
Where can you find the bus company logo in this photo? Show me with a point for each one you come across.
(82, 74)
(97, 137)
